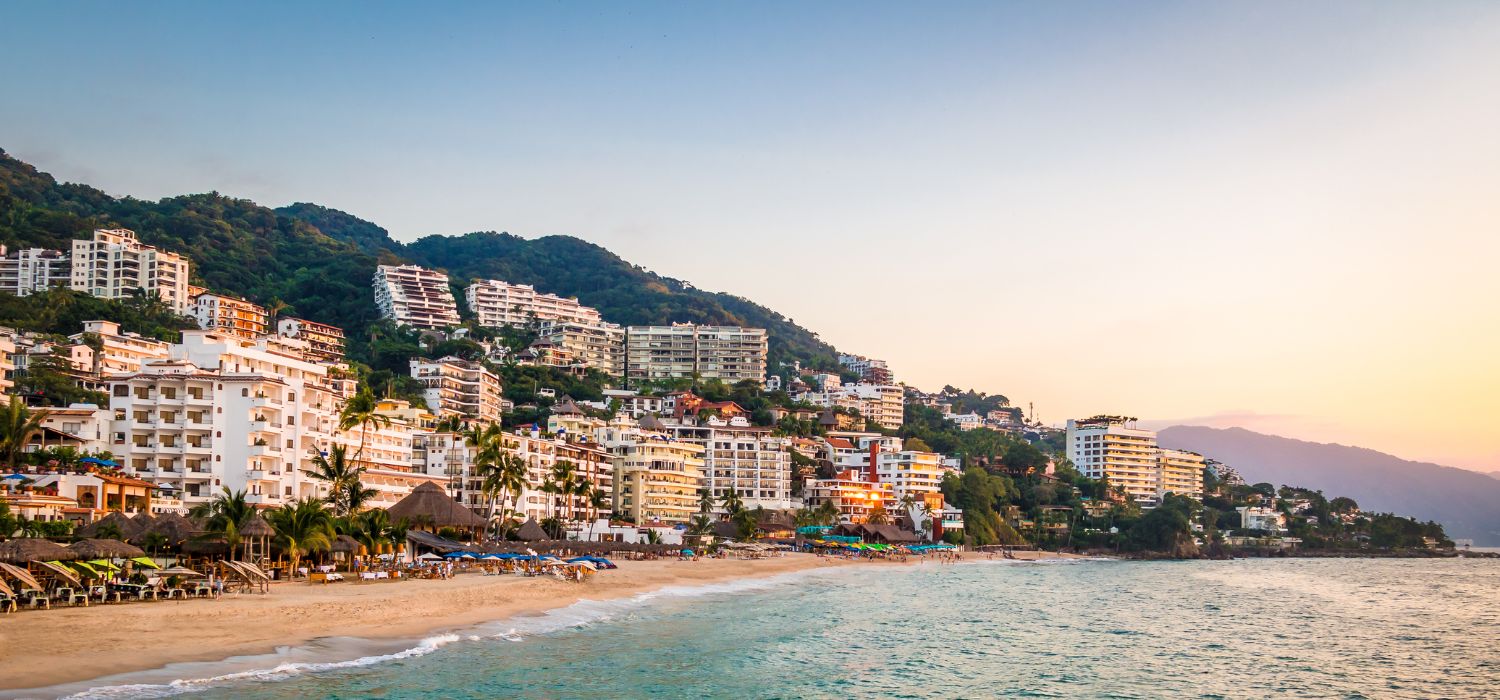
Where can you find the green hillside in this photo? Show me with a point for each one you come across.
(319, 261)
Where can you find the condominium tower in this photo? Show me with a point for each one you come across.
(686, 351)
(113, 264)
(415, 296)
(496, 303)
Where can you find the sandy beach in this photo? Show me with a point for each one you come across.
(45, 648)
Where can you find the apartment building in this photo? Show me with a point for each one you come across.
(684, 351)
(1179, 472)
(224, 411)
(29, 270)
(869, 370)
(415, 296)
(497, 304)
(387, 452)
(747, 460)
(231, 315)
(914, 473)
(113, 264)
(325, 343)
(656, 477)
(119, 353)
(852, 494)
(1112, 447)
(883, 404)
(578, 345)
(456, 387)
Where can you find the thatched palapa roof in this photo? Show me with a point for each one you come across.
(345, 543)
(27, 549)
(176, 528)
(127, 526)
(530, 531)
(428, 503)
(257, 527)
(105, 549)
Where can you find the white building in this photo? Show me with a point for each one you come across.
(751, 461)
(29, 270)
(230, 314)
(1112, 447)
(869, 369)
(224, 412)
(633, 404)
(113, 264)
(580, 345)
(1261, 518)
(415, 296)
(685, 351)
(120, 353)
(325, 342)
(459, 388)
(965, 421)
(883, 404)
(656, 477)
(496, 304)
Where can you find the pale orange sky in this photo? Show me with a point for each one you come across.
(1284, 214)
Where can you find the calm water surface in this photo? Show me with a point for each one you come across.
(1095, 629)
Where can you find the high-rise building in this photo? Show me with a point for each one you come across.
(685, 351)
(325, 342)
(30, 270)
(455, 387)
(578, 345)
(882, 403)
(656, 477)
(119, 352)
(113, 264)
(230, 314)
(224, 412)
(747, 460)
(1111, 447)
(415, 296)
(496, 303)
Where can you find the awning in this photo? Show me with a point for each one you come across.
(62, 572)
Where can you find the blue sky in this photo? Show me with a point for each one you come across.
(1279, 215)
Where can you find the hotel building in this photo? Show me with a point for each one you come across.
(853, 495)
(30, 270)
(747, 460)
(113, 264)
(455, 387)
(120, 353)
(231, 315)
(579, 345)
(496, 304)
(415, 296)
(1112, 447)
(683, 351)
(325, 342)
(656, 477)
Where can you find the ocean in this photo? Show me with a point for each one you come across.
(1267, 628)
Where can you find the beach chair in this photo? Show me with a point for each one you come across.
(8, 603)
(104, 595)
(71, 598)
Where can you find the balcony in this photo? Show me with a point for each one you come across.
(263, 499)
(264, 450)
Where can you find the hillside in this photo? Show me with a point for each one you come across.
(1466, 503)
(319, 261)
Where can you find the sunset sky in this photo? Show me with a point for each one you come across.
(1284, 216)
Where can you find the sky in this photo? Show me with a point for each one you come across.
(1278, 215)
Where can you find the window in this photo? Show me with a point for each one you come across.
(122, 390)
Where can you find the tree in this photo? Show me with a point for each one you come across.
(302, 528)
(224, 516)
(1343, 505)
(878, 515)
(342, 477)
(17, 425)
(502, 472)
(362, 411)
(731, 502)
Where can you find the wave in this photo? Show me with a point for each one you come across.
(334, 654)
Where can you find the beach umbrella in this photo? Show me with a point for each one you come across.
(84, 567)
(62, 572)
(103, 564)
(105, 549)
(179, 571)
(146, 562)
(687, 552)
(430, 557)
(6, 590)
(22, 576)
(96, 460)
(27, 549)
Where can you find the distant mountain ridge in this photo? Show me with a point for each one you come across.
(1466, 503)
(320, 261)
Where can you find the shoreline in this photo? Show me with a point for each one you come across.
(45, 653)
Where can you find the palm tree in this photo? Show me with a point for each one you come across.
(362, 411)
(225, 515)
(338, 472)
(828, 513)
(17, 424)
(705, 501)
(302, 529)
(597, 501)
(877, 515)
(731, 502)
(563, 481)
(503, 472)
(356, 496)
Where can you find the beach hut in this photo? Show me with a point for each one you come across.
(29, 549)
(105, 549)
(174, 529)
(121, 522)
(257, 533)
(530, 531)
(428, 503)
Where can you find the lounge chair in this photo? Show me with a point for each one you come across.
(8, 603)
(104, 595)
(34, 599)
(71, 597)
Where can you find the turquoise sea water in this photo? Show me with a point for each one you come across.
(1092, 629)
